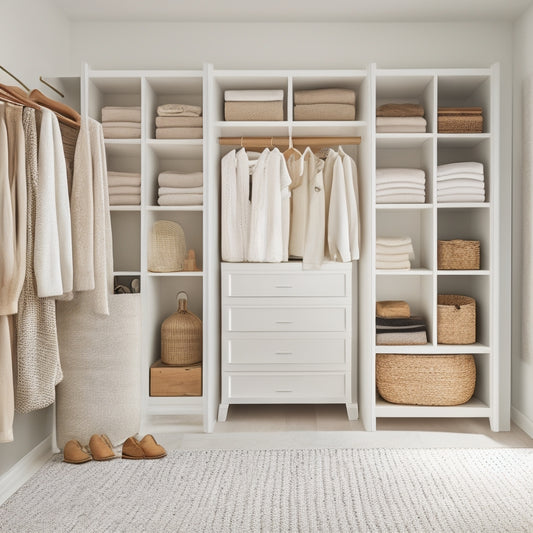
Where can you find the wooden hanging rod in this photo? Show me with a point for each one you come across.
(51, 87)
(255, 142)
(15, 78)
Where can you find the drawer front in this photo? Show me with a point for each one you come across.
(286, 351)
(300, 284)
(286, 319)
(287, 386)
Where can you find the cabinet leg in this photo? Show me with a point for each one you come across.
(222, 412)
(352, 410)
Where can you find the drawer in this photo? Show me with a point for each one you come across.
(262, 351)
(284, 387)
(301, 284)
(286, 319)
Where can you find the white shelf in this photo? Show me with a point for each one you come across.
(461, 140)
(401, 272)
(464, 205)
(474, 408)
(463, 272)
(186, 208)
(342, 128)
(402, 140)
(406, 207)
(274, 128)
(176, 274)
(184, 148)
(124, 208)
(126, 273)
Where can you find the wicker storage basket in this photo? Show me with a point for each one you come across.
(460, 124)
(181, 336)
(458, 255)
(456, 319)
(425, 379)
(167, 247)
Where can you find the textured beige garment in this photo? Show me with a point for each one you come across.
(179, 122)
(324, 112)
(69, 135)
(253, 110)
(121, 114)
(325, 96)
(178, 133)
(7, 402)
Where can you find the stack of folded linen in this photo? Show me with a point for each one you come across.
(124, 188)
(460, 120)
(176, 188)
(400, 118)
(400, 186)
(461, 182)
(253, 105)
(324, 104)
(401, 331)
(178, 121)
(121, 122)
(394, 253)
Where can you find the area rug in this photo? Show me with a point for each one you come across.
(315, 490)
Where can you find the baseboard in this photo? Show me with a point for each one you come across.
(19, 473)
(522, 421)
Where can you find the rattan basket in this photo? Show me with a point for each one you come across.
(181, 336)
(167, 247)
(425, 379)
(458, 254)
(456, 319)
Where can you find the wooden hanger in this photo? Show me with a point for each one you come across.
(291, 151)
(64, 113)
(16, 96)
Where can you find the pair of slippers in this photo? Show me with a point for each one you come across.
(101, 449)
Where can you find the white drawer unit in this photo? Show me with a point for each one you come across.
(287, 335)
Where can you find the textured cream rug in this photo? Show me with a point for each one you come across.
(316, 490)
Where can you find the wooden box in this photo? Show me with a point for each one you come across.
(168, 380)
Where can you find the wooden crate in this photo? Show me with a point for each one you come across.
(168, 380)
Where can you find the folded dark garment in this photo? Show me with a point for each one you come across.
(400, 322)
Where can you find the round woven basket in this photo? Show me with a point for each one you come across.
(181, 336)
(167, 247)
(456, 319)
(458, 254)
(425, 379)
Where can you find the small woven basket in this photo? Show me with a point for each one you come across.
(425, 379)
(458, 254)
(456, 319)
(181, 336)
(167, 247)
(460, 124)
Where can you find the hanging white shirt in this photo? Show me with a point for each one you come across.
(338, 219)
(328, 179)
(352, 202)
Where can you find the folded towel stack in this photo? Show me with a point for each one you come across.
(394, 253)
(401, 331)
(460, 120)
(324, 104)
(178, 121)
(253, 105)
(121, 122)
(176, 188)
(461, 182)
(400, 186)
(400, 118)
(124, 188)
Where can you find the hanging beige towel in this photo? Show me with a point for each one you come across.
(178, 133)
(324, 112)
(325, 96)
(253, 110)
(179, 122)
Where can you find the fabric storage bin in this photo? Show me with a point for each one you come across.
(425, 379)
(456, 319)
(458, 254)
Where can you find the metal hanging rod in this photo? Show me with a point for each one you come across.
(286, 141)
(51, 87)
(15, 78)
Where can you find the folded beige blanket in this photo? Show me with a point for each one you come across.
(125, 199)
(398, 265)
(393, 309)
(130, 180)
(254, 95)
(325, 96)
(179, 133)
(406, 198)
(180, 190)
(404, 339)
(253, 110)
(121, 114)
(181, 199)
(172, 178)
(178, 122)
(179, 110)
(114, 174)
(124, 189)
(121, 132)
(401, 129)
(400, 110)
(401, 121)
(324, 112)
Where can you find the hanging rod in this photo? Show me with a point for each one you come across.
(285, 141)
(51, 87)
(14, 77)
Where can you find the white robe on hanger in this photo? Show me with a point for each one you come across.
(352, 202)
(338, 219)
(329, 163)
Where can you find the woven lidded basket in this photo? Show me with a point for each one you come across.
(460, 124)
(458, 254)
(181, 336)
(456, 319)
(167, 247)
(425, 379)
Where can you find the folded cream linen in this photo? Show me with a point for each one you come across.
(124, 189)
(460, 190)
(172, 178)
(180, 190)
(400, 110)
(179, 110)
(125, 199)
(398, 187)
(397, 265)
(114, 174)
(407, 175)
(401, 121)
(452, 184)
(393, 250)
(253, 110)
(179, 133)
(393, 241)
(254, 95)
(461, 175)
(121, 114)
(178, 122)
(325, 96)
(324, 112)
(181, 199)
(458, 168)
(401, 129)
(411, 198)
(115, 181)
(121, 130)
(411, 338)
(391, 258)
(461, 197)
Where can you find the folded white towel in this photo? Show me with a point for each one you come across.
(401, 121)
(114, 174)
(124, 189)
(462, 175)
(172, 178)
(398, 265)
(401, 199)
(181, 199)
(460, 190)
(391, 258)
(179, 110)
(404, 175)
(259, 95)
(391, 250)
(399, 188)
(456, 168)
(115, 181)
(400, 129)
(393, 241)
(461, 198)
(452, 184)
(125, 199)
(180, 190)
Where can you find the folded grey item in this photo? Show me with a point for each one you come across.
(179, 133)
(400, 322)
(181, 199)
(254, 95)
(253, 111)
(179, 110)
(172, 178)
(401, 339)
(121, 114)
(124, 189)
(125, 199)
(324, 112)
(114, 132)
(179, 122)
(325, 96)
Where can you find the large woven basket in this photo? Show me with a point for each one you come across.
(425, 379)
(460, 124)
(456, 319)
(458, 254)
(167, 247)
(181, 336)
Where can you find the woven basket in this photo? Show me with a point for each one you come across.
(458, 255)
(425, 379)
(181, 336)
(460, 124)
(456, 319)
(167, 247)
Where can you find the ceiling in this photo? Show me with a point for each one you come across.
(292, 10)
